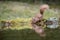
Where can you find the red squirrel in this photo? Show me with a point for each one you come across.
(37, 18)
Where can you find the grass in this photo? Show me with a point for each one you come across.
(18, 10)
(12, 10)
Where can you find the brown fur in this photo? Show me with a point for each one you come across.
(38, 18)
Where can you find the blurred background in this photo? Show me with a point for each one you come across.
(15, 19)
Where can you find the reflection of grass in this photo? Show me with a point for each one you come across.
(29, 34)
(24, 34)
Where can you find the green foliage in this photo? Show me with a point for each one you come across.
(20, 15)
(20, 22)
(14, 10)
(37, 1)
(50, 13)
